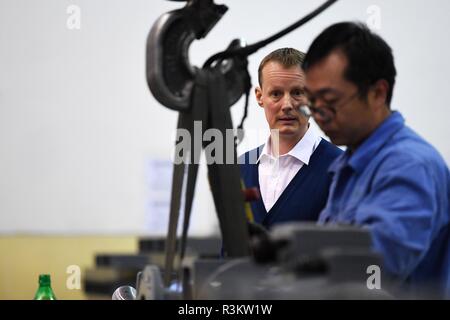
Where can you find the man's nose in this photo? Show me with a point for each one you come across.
(288, 103)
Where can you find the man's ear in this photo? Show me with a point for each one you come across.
(258, 95)
(379, 93)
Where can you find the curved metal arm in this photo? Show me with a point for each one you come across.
(169, 73)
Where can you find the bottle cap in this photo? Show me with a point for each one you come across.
(44, 279)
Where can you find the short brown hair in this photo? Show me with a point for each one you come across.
(287, 57)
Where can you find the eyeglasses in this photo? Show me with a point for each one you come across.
(327, 112)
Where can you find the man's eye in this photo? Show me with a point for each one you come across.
(329, 98)
(298, 93)
(275, 94)
(330, 102)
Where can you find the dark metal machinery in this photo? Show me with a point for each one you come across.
(203, 96)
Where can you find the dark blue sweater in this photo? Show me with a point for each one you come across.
(306, 194)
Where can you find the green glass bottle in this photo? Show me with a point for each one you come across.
(44, 292)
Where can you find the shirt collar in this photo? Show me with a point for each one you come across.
(301, 151)
(265, 151)
(370, 147)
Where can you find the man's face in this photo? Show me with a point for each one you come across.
(327, 88)
(281, 94)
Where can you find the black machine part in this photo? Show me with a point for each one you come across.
(170, 76)
(313, 262)
(310, 262)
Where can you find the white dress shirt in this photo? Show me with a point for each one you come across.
(275, 173)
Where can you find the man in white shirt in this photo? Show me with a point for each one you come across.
(291, 168)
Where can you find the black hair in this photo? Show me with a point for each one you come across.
(369, 57)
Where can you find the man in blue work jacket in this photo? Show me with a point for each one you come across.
(389, 180)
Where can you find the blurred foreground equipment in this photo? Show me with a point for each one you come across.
(293, 261)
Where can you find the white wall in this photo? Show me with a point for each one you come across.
(78, 124)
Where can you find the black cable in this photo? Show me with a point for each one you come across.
(246, 51)
(241, 125)
(240, 129)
